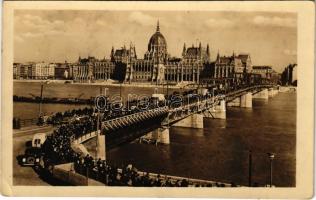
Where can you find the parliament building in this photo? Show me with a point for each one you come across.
(158, 67)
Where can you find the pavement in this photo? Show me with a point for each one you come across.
(26, 175)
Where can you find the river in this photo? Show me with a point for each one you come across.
(219, 151)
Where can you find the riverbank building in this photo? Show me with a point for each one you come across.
(158, 67)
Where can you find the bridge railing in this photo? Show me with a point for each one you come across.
(20, 123)
(192, 182)
(136, 114)
(86, 136)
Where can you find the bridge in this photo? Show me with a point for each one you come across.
(154, 123)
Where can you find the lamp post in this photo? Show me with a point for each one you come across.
(271, 157)
(213, 93)
(120, 89)
(167, 92)
(100, 142)
(41, 98)
(250, 169)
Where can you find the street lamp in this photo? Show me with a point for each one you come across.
(120, 89)
(250, 169)
(41, 97)
(271, 157)
(100, 142)
(213, 93)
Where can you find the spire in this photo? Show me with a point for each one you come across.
(200, 45)
(184, 50)
(217, 55)
(134, 49)
(233, 54)
(207, 50)
(112, 54)
(158, 28)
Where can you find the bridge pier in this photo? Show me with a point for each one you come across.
(270, 93)
(246, 100)
(273, 92)
(101, 147)
(263, 94)
(160, 135)
(192, 121)
(234, 103)
(217, 111)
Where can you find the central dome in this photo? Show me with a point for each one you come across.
(157, 47)
(157, 40)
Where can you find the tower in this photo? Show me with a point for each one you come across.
(157, 54)
(208, 51)
(112, 54)
(217, 58)
(157, 47)
(184, 50)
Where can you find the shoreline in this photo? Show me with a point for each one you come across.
(134, 85)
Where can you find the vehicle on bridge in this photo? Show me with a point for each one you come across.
(33, 154)
(31, 157)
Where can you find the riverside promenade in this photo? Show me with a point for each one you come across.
(67, 173)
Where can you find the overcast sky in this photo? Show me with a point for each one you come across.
(56, 36)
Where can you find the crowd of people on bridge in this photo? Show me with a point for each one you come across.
(70, 115)
(115, 110)
(128, 175)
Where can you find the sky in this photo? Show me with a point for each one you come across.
(63, 35)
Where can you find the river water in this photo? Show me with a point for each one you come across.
(218, 152)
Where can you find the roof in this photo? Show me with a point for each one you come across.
(193, 51)
(261, 67)
(225, 60)
(121, 52)
(174, 59)
(243, 57)
(157, 39)
(85, 60)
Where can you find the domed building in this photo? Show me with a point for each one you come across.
(157, 47)
(157, 67)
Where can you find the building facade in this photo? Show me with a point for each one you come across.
(34, 70)
(156, 67)
(264, 71)
(62, 71)
(43, 70)
(287, 75)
